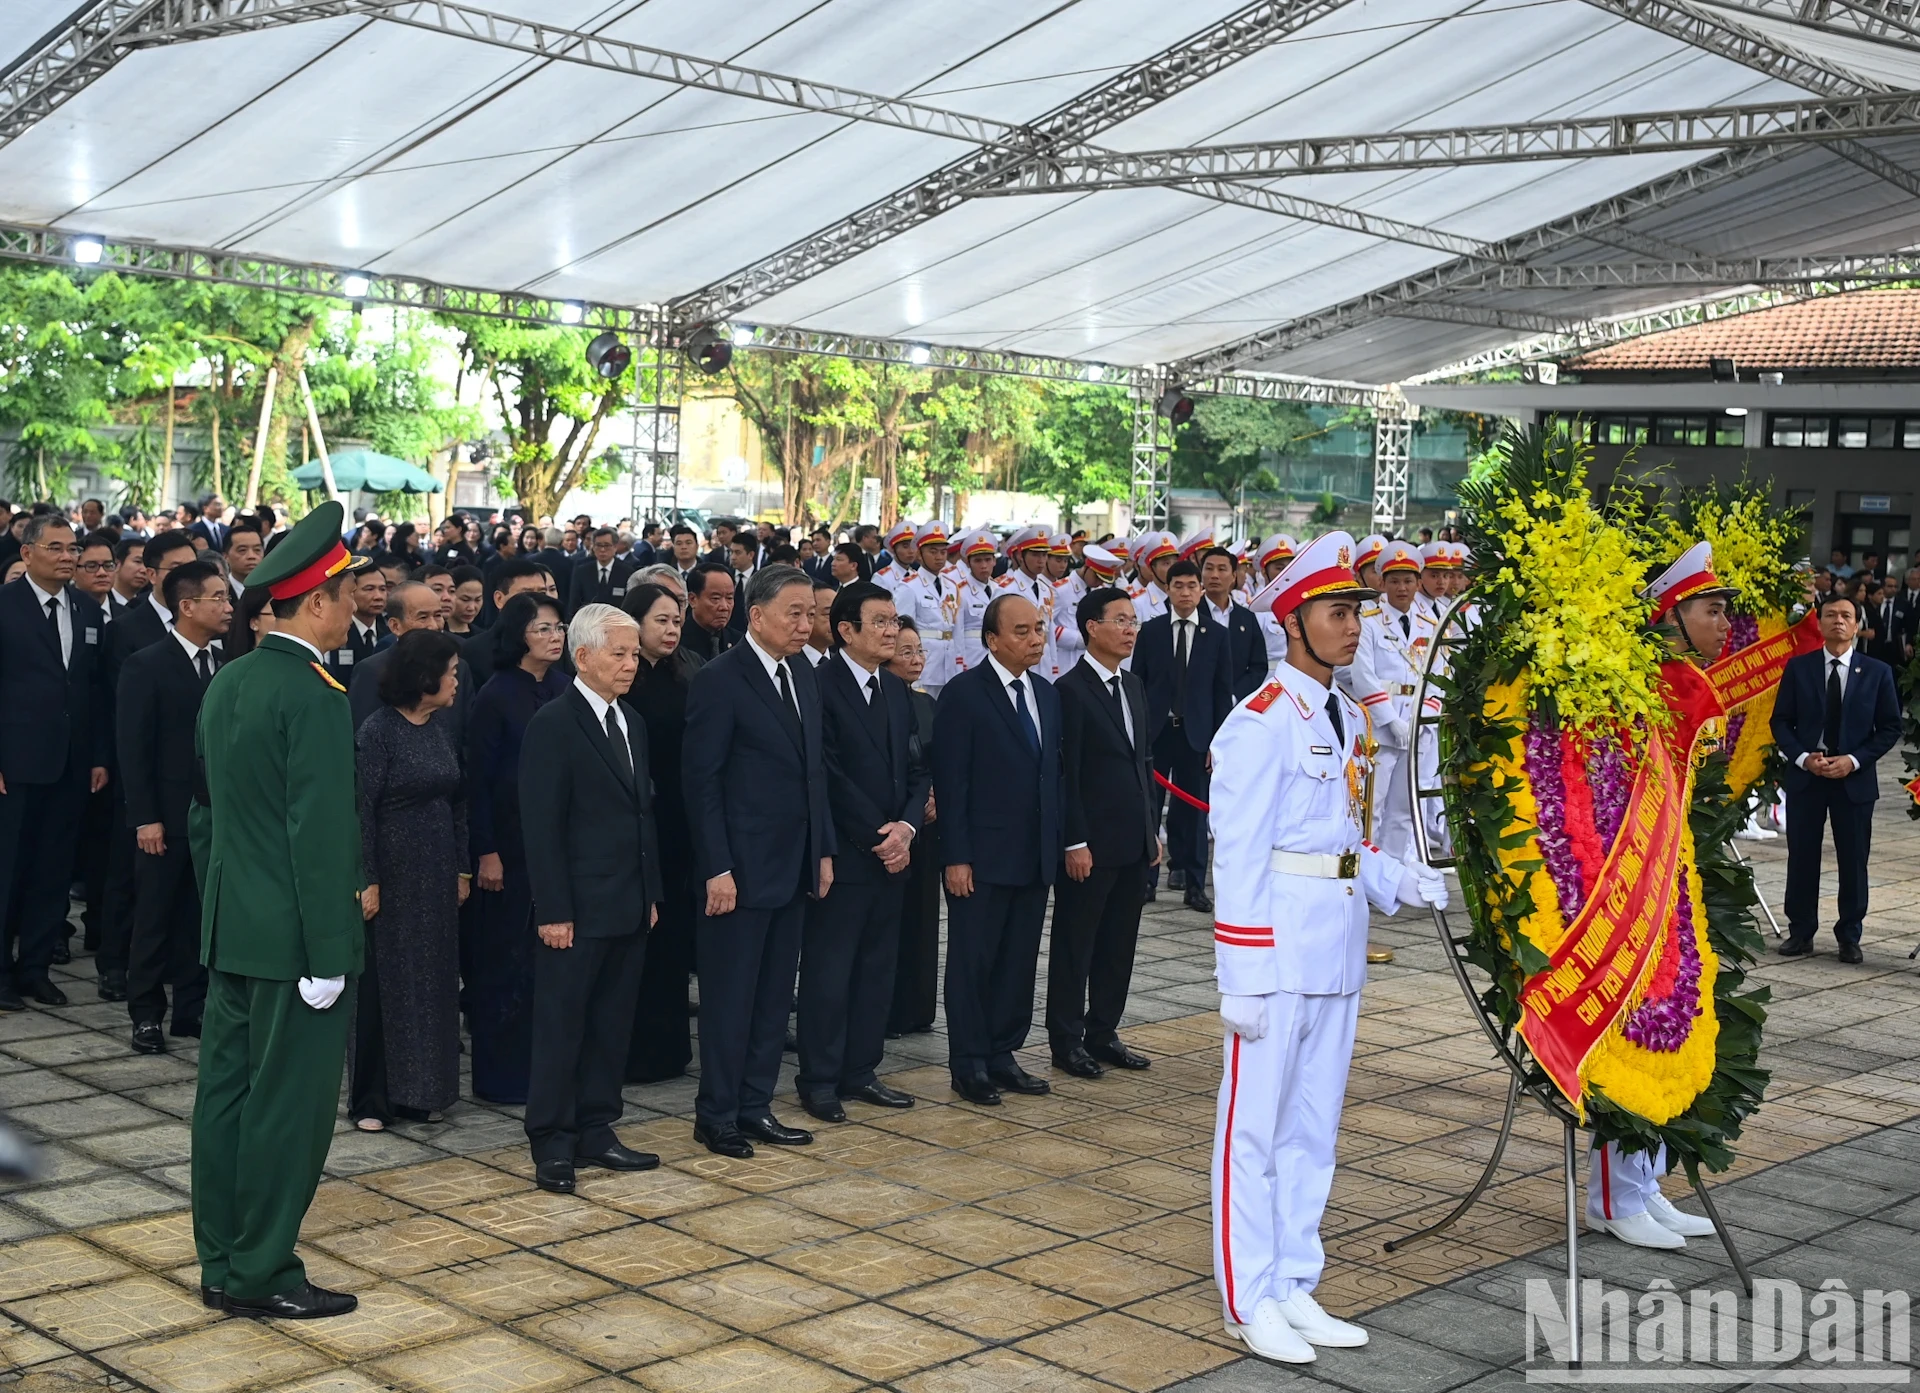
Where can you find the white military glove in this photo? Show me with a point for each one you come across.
(1422, 885)
(321, 992)
(1398, 732)
(1246, 1016)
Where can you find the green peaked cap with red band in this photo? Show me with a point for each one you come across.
(308, 557)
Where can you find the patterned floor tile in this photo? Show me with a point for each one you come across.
(868, 1264)
(752, 1297)
(512, 1285)
(959, 1175)
(1050, 1154)
(439, 1185)
(624, 1330)
(864, 1201)
(640, 1255)
(1071, 1209)
(1158, 1183)
(1103, 1275)
(535, 1217)
(21, 1348)
(41, 1265)
(744, 1366)
(406, 1246)
(772, 1168)
(492, 1361)
(652, 1194)
(999, 1371)
(390, 1318)
(991, 1306)
(1126, 1351)
(342, 1204)
(1183, 1240)
(973, 1236)
(222, 1358)
(756, 1226)
(875, 1342)
(99, 1199)
(94, 1317)
(165, 1240)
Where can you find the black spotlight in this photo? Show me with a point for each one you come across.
(708, 350)
(1175, 405)
(1724, 369)
(608, 357)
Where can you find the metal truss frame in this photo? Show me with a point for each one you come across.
(1859, 270)
(1150, 500)
(1392, 464)
(1717, 28)
(654, 467)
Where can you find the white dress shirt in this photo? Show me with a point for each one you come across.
(295, 638)
(59, 597)
(600, 709)
(861, 675)
(1827, 660)
(772, 665)
(193, 650)
(1007, 679)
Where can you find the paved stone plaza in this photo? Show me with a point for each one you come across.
(1054, 1244)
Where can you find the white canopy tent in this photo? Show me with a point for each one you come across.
(1215, 196)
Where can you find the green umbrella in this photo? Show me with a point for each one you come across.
(375, 473)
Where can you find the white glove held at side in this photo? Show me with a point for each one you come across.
(1246, 1016)
(1421, 885)
(321, 992)
(1399, 733)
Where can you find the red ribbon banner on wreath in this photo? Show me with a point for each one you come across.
(1595, 971)
(1756, 669)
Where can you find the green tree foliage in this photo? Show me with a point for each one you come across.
(1083, 442)
(62, 344)
(551, 403)
(383, 388)
(1233, 441)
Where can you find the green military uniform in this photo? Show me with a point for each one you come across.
(280, 902)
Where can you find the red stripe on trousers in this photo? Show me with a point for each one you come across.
(1226, 1183)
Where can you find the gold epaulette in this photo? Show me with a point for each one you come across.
(327, 677)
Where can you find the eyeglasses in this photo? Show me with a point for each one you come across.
(61, 548)
(1126, 621)
(885, 626)
(544, 630)
(94, 568)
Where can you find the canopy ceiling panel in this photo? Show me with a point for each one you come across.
(367, 143)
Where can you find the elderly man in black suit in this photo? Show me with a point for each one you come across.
(996, 774)
(711, 601)
(1836, 714)
(1108, 811)
(600, 576)
(155, 710)
(410, 605)
(593, 858)
(878, 797)
(763, 842)
(55, 732)
(1182, 658)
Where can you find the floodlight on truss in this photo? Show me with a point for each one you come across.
(572, 312)
(742, 335)
(87, 251)
(708, 350)
(608, 356)
(1175, 405)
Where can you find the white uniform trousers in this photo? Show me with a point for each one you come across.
(1392, 804)
(1619, 1183)
(1273, 1139)
(1432, 809)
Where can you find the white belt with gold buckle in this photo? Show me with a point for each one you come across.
(1322, 865)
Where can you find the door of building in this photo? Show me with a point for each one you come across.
(1888, 534)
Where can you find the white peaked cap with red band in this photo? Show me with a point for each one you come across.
(1371, 546)
(1279, 547)
(1154, 547)
(1060, 544)
(931, 534)
(903, 531)
(1401, 556)
(1322, 570)
(1195, 542)
(1435, 556)
(977, 543)
(1687, 578)
(1099, 561)
(1026, 539)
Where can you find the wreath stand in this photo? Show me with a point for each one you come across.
(1524, 1075)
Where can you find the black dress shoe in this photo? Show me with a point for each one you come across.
(1176, 880)
(977, 1090)
(10, 1000)
(618, 1158)
(213, 1298)
(723, 1140)
(1018, 1080)
(826, 1109)
(1196, 899)
(554, 1176)
(42, 990)
(112, 986)
(188, 1029)
(1077, 1062)
(304, 1302)
(147, 1038)
(1119, 1056)
(1794, 948)
(769, 1130)
(62, 954)
(880, 1096)
(1850, 953)
(1150, 894)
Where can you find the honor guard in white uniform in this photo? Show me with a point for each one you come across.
(905, 557)
(1098, 567)
(1293, 878)
(1026, 576)
(1068, 590)
(1623, 1187)
(1385, 675)
(1270, 559)
(1436, 559)
(1154, 553)
(1366, 562)
(975, 553)
(935, 606)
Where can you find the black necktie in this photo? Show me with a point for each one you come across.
(1406, 625)
(621, 755)
(206, 665)
(936, 583)
(1121, 702)
(873, 688)
(786, 689)
(1026, 715)
(603, 575)
(1180, 668)
(53, 622)
(1333, 714)
(1832, 734)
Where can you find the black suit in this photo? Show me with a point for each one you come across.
(155, 708)
(593, 860)
(1869, 727)
(916, 971)
(1182, 717)
(756, 790)
(707, 644)
(1108, 808)
(55, 727)
(586, 588)
(136, 626)
(359, 647)
(999, 794)
(214, 534)
(1892, 624)
(363, 693)
(851, 940)
(1246, 650)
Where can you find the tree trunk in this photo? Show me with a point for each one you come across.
(290, 359)
(166, 451)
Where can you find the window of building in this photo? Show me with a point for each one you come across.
(1730, 431)
(1844, 432)
(1851, 433)
(1787, 432)
(1680, 430)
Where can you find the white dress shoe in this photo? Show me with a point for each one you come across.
(1271, 1336)
(1642, 1230)
(1316, 1327)
(1677, 1220)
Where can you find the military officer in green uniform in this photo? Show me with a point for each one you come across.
(280, 934)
